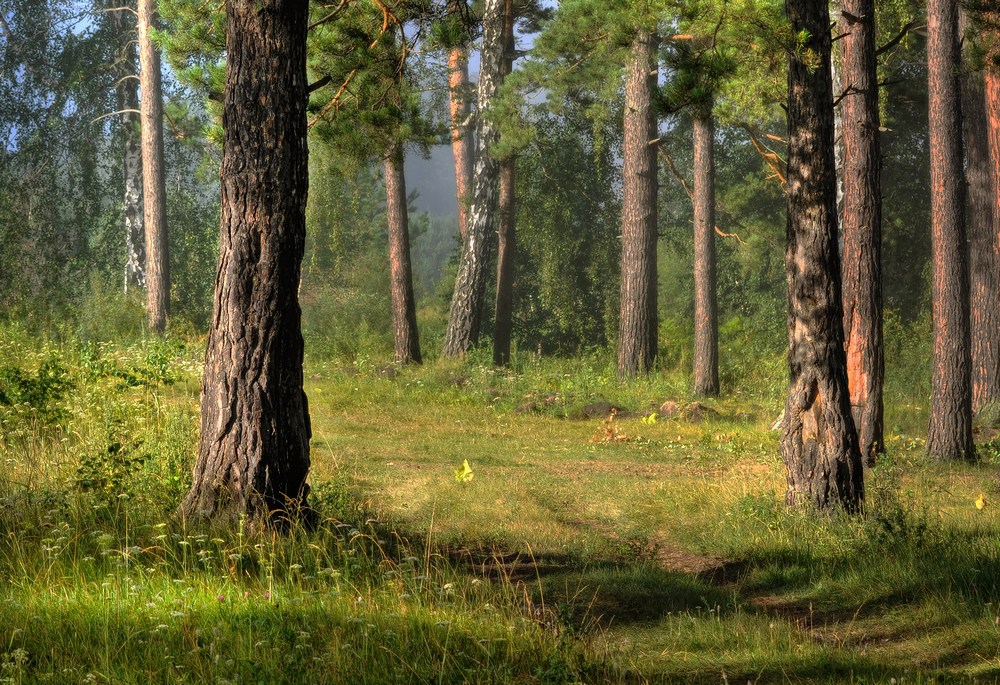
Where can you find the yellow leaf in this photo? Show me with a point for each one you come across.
(464, 474)
(981, 501)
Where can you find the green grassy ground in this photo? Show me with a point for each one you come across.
(579, 550)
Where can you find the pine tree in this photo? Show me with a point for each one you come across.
(949, 436)
(154, 192)
(862, 224)
(253, 455)
(819, 444)
(638, 324)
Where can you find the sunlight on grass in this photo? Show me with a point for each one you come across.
(664, 554)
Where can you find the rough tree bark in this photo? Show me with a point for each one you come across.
(458, 100)
(861, 222)
(470, 285)
(637, 332)
(504, 309)
(404, 307)
(154, 189)
(992, 77)
(253, 456)
(950, 433)
(819, 444)
(706, 315)
(126, 69)
(984, 252)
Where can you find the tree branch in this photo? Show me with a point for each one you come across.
(897, 40)
(677, 174)
(113, 114)
(770, 157)
(331, 16)
(119, 9)
(335, 102)
(318, 84)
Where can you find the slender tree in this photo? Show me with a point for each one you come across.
(637, 333)
(470, 285)
(504, 309)
(153, 178)
(253, 456)
(126, 69)
(458, 99)
(992, 95)
(862, 224)
(984, 253)
(706, 311)
(950, 433)
(404, 308)
(819, 444)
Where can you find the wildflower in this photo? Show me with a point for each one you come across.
(981, 501)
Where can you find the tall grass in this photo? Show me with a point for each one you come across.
(662, 553)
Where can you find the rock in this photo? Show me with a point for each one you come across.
(669, 409)
(389, 372)
(528, 407)
(697, 412)
(597, 410)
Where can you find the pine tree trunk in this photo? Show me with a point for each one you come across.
(504, 310)
(838, 79)
(706, 316)
(862, 226)
(949, 436)
(465, 316)
(404, 308)
(127, 91)
(154, 182)
(819, 444)
(637, 332)
(461, 146)
(253, 456)
(984, 260)
(992, 103)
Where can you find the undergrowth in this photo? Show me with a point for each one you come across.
(476, 525)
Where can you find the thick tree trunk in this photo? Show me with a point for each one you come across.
(465, 316)
(706, 315)
(127, 72)
(992, 103)
(404, 307)
(504, 310)
(637, 332)
(458, 100)
(950, 433)
(819, 444)
(253, 456)
(154, 189)
(862, 226)
(984, 256)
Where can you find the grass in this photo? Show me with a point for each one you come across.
(629, 551)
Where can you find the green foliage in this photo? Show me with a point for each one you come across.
(37, 394)
(567, 282)
(345, 274)
(53, 186)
